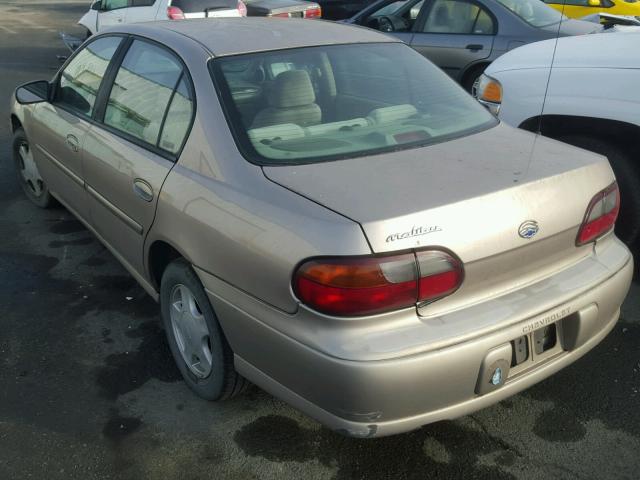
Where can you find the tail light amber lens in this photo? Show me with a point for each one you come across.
(313, 13)
(601, 215)
(356, 286)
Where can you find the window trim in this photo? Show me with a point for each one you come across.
(98, 120)
(418, 26)
(106, 85)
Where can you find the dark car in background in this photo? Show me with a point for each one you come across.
(342, 9)
(464, 36)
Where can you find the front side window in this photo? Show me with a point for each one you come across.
(534, 12)
(341, 101)
(456, 16)
(81, 79)
(113, 4)
(397, 16)
(142, 91)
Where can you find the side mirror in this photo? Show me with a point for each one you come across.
(97, 5)
(595, 3)
(33, 92)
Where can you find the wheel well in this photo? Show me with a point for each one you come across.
(15, 123)
(472, 70)
(161, 254)
(622, 134)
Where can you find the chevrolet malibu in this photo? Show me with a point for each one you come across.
(321, 211)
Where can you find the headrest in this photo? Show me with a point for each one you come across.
(292, 88)
(392, 114)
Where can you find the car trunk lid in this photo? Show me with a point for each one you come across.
(207, 8)
(471, 196)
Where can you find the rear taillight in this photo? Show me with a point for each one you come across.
(354, 286)
(174, 13)
(315, 12)
(601, 215)
(242, 8)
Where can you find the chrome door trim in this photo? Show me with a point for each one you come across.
(126, 219)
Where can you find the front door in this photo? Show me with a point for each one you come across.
(134, 145)
(454, 34)
(113, 12)
(60, 127)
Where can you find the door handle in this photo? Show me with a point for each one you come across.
(143, 190)
(72, 143)
(474, 47)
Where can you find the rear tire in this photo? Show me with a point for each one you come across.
(27, 172)
(628, 177)
(197, 342)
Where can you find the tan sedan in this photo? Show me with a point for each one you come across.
(320, 210)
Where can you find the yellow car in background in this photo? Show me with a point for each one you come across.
(582, 8)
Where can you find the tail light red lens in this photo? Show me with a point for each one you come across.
(440, 275)
(601, 215)
(242, 8)
(313, 12)
(174, 13)
(355, 286)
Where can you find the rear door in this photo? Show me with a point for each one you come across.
(60, 127)
(454, 34)
(207, 8)
(112, 12)
(128, 154)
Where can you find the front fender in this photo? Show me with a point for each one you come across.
(90, 21)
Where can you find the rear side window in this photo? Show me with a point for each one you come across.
(178, 119)
(142, 3)
(81, 79)
(114, 4)
(150, 90)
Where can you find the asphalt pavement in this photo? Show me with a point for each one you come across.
(88, 389)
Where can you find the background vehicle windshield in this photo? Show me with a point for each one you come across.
(534, 12)
(313, 104)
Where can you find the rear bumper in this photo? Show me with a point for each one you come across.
(367, 398)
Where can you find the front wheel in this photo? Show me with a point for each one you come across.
(197, 343)
(29, 176)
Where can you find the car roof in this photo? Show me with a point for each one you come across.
(232, 36)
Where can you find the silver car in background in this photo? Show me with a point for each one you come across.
(464, 36)
(322, 211)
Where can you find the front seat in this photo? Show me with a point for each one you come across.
(291, 100)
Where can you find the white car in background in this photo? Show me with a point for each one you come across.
(590, 99)
(107, 13)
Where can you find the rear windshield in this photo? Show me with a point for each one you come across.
(534, 12)
(192, 6)
(308, 105)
